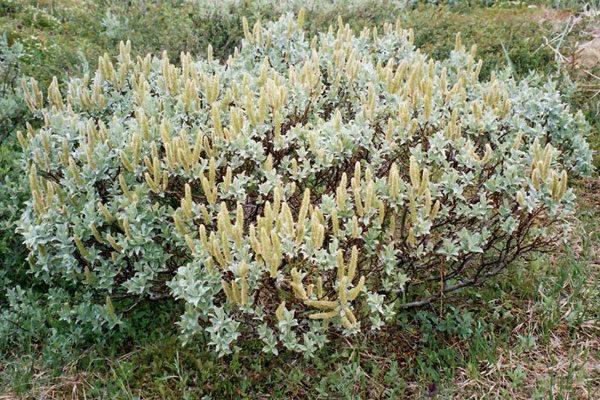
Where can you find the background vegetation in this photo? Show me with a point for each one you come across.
(531, 334)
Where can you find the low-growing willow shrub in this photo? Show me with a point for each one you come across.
(306, 185)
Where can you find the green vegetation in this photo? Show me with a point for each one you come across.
(529, 333)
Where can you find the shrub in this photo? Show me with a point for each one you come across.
(308, 184)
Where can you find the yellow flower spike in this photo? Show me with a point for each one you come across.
(54, 96)
(257, 32)
(343, 290)
(97, 96)
(412, 205)
(411, 239)
(236, 120)
(335, 222)
(318, 235)
(22, 140)
(264, 239)
(337, 120)
(96, 233)
(246, 30)
(156, 169)
(262, 107)
(114, 243)
(353, 263)
(349, 316)
(209, 53)
(341, 268)
(357, 199)
(136, 148)
(277, 255)
(243, 269)
(370, 199)
(89, 278)
(124, 186)
(249, 107)
(187, 202)
(223, 220)
(277, 199)
(31, 132)
(435, 210)
(127, 228)
(324, 315)
(380, 212)
(106, 213)
(212, 171)
(268, 164)
(302, 214)
(216, 250)
(280, 311)
(239, 222)
(320, 291)
(477, 111)
(203, 237)
(50, 191)
(268, 217)
(357, 174)
(125, 161)
(294, 166)
(520, 198)
(216, 120)
(488, 153)
(404, 114)
(80, 247)
(153, 186)
(254, 242)
(225, 250)
(427, 203)
(389, 131)
(355, 230)
(563, 184)
(341, 193)
(179, 225)
(74, 171)
(427, 102)
(190, 243)
(46, 144)
(414, 172)
(355, 291)
(33, 178)
(288, 220)
(424, 182)
(547, 161)
(310, 290)
(535, 177)
(322, 304)
(33, 97)
(536, 150)
(235, 294)
(198, 146)
(297, 285)
(227, 290)
(109, 306)
(105, 67)
(244, 291)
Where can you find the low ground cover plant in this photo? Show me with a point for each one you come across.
(308, 184)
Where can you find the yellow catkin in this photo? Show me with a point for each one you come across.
(280, 311)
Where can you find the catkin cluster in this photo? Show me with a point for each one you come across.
(303, 185)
